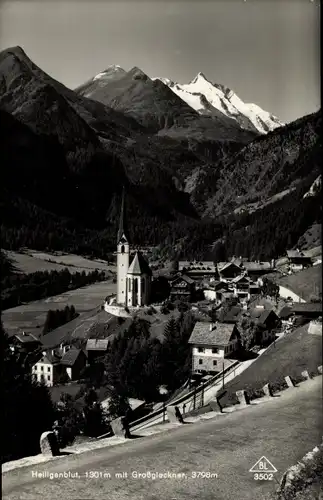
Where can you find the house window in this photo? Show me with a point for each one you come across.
(201, 349)
(48, 377)
(35, 368)
(215, 362)
(42, 368)
(200, 361)
(48, 369)
(215, 350)
(122, 249)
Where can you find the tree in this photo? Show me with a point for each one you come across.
(270, 288)
(22, 397)
(118, 404)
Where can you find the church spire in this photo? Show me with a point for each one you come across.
(122, 232)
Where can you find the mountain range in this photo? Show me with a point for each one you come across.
(208, 99)
(193, 158)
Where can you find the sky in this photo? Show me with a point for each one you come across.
(267, 51)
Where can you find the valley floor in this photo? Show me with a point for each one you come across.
(31, 316)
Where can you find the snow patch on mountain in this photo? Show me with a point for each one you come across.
(206, 97)
(315, 187)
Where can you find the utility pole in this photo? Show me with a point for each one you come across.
(202, 395)
(222, 375)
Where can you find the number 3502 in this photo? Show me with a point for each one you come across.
(262, 476)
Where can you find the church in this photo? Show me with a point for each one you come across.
(134, 280)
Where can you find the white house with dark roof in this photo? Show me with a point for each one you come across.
(52, 364)
(47, 369)
(298, 260)
(134, 280)
(212, 345)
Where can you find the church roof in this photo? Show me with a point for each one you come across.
(122, 232)
(139, 265)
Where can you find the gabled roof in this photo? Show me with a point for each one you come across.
(285, 312)
(217, 285)
(261, 314)
(26, 338)
(307, 307)
(70, 357)
(292, 254)
(139, 265)
(183, 277)
(232, 315)
(221, 334)
(49, 359)
(97, 344)
(237, 279)
(257, 266)
(222, 266)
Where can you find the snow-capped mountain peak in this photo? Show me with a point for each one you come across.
(113, 68)
(212, 98)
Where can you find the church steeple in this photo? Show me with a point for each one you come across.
(122, 232)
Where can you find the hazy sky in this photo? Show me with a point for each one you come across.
(267, 51)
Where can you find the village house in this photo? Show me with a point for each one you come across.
(96, 348)
(198, 270)
(229, 270)
(241, 287)
(308, 310)
(215, 291)
(182, 288)
(266, 318)
(232, 316)
(48, 368)
(257, 269)
(25, 342)
(55, 363)
(212, 345)
(298, 260)
(269, 321)
(74, 360)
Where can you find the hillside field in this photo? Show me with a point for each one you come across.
(291, 355)
(31, 316)
(307, 283)
(31, 261)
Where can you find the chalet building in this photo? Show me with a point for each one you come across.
(241, 288)
(198, 270)
(215, 291)
(232, 316)
(298, 260)
(96, 348)
(212, 345)
(254, 290)
(257, 269)
(74, 360)
(57, 362)
(182, 288)
(48, 369)
(308, 310)
(286, 315)
(25, 342)
(229, 270)
(267, 318)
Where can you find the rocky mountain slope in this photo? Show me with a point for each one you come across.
(213, 99)
(186, 172)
